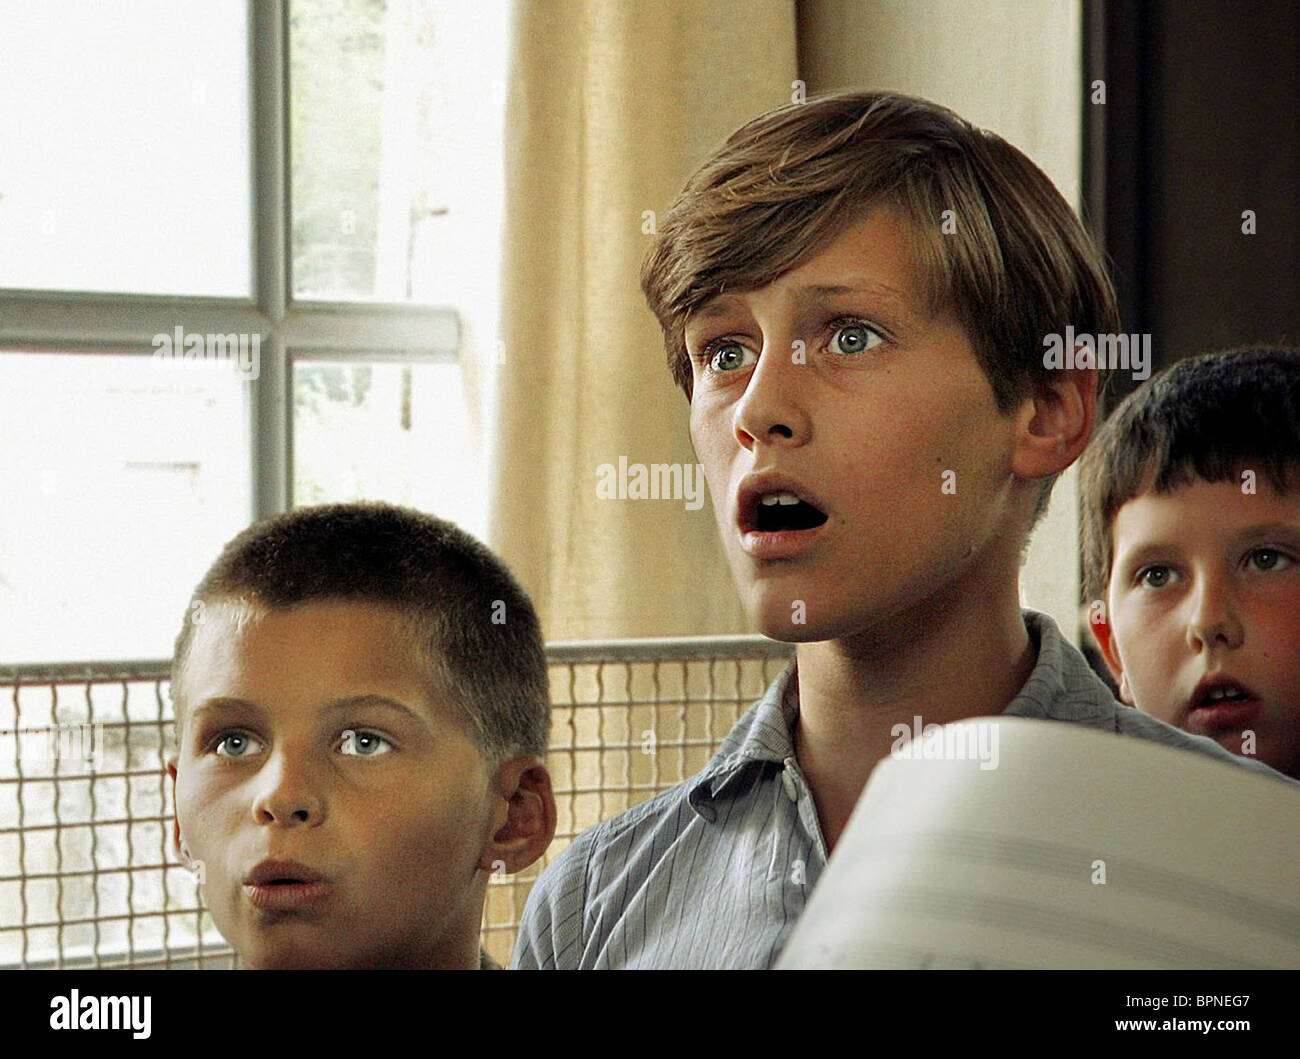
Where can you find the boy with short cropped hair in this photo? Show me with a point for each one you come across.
(1191, 537)
(855, 295)
(362, 709)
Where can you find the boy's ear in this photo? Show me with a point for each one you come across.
(1105, 638)
(1056, 422)
(176, 821)
(530, 816)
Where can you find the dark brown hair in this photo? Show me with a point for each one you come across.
(464, 610)
(1209, 417)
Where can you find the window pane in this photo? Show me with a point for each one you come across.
(122, 477)
(395, 432)
(125, 161)
(395, 136)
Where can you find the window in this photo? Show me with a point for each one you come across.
(245, 252)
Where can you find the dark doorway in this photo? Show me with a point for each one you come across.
(1201, 123)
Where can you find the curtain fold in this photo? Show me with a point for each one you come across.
(610, 105)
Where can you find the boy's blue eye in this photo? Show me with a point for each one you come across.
(727, 356)
(236, 744)
(857, 338)
(357, 743)
(849, 337)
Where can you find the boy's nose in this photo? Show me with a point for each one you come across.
(286, 794)
(772, 411)
(1214, 620)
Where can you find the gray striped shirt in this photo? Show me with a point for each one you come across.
(714, 872)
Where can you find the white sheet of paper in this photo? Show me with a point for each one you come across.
(1078, 849)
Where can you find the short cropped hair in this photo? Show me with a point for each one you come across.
(1017, 266)
(465, 612)
(1210, 417)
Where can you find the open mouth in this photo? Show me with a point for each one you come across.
(272, 873)
(284, 887)
(1219, 704)
(783, 512)
(1220, 693)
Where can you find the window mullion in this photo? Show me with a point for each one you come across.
(419, 332)
(269, 449)
(60, 320)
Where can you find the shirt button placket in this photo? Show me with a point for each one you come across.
(789, 783)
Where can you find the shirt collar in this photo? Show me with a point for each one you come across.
(1061, 687)
(764, 733)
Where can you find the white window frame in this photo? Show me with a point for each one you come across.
(354, 332)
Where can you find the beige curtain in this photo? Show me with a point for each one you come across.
(610, 105)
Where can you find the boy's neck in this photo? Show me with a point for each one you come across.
(950, 661)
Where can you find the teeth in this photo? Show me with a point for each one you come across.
(1218, 694)
(784, 499)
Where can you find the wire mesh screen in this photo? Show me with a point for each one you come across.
(88, 876)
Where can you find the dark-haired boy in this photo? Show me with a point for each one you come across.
(855, 294)
(362, 706)
(1191, 534)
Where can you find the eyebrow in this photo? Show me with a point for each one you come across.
(1143, 553)
(342, 705)
(1144, 550)
(863, 286)
(1266, 529)
(721, 304)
